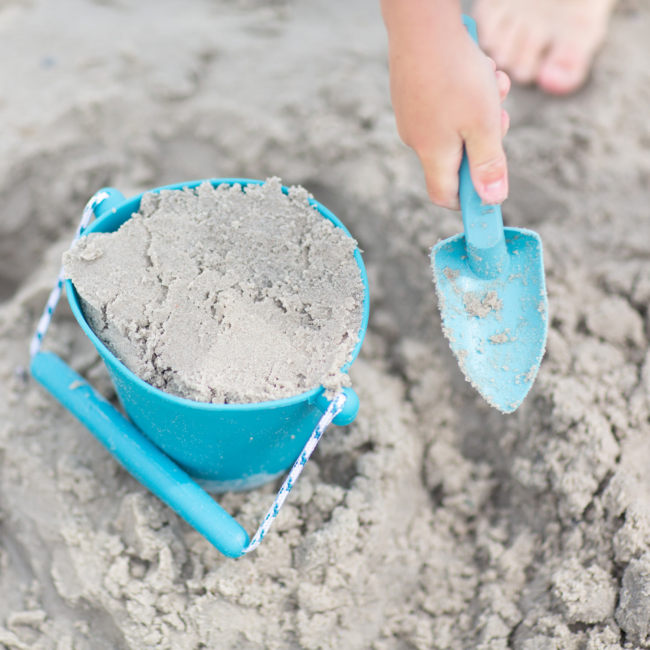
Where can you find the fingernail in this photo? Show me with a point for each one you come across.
(495, 192)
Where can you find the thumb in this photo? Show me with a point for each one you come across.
(487, 163)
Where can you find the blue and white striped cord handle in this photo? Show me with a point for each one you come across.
(335, 407)
(55, 295)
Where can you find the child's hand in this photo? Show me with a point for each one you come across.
(446, 93)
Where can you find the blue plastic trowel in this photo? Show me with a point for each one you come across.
(492, 297)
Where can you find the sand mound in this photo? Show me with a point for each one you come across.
(224, 296)
(432, 521)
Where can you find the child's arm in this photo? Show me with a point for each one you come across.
(445, 94)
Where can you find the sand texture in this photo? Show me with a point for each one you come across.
(224, 296)
(432, 522)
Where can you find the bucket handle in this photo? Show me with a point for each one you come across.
(139, 456)
(154, 469)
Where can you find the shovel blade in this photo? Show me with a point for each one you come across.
(496, 328)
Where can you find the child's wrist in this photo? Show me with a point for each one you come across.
(422, 35)
(419, 21)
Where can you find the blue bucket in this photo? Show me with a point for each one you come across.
(222, 447)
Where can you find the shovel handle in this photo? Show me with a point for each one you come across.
(483, 224)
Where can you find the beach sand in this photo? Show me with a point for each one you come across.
(431, 522)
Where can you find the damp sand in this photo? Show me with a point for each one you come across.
(482, 306)
(224, 295)
(430, 523)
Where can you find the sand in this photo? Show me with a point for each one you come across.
(482, 306)
(225, 296)
(432, 521)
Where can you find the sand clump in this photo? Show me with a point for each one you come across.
(222, 295)
(482, 306)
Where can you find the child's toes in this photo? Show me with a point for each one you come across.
(564, 69)
(492, 16)
(532, 48)
(504, 50)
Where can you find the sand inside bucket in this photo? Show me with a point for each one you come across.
(222, 295)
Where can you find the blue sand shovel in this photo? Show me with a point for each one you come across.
(492, 297)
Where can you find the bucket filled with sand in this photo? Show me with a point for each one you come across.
(228, 313)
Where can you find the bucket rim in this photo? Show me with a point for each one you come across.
(134, 204)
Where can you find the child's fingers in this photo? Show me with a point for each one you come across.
(503, 83)
(441, 176)
(503, 80)
(505, 122)
(487, 161)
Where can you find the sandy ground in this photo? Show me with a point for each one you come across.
(432, 522)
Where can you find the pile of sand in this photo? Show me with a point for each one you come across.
(432, 522)
(223, 295)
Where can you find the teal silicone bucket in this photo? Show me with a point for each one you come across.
(222, 447)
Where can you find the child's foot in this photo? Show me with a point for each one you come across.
(551, 42)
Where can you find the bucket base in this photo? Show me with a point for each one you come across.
(237, 485)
